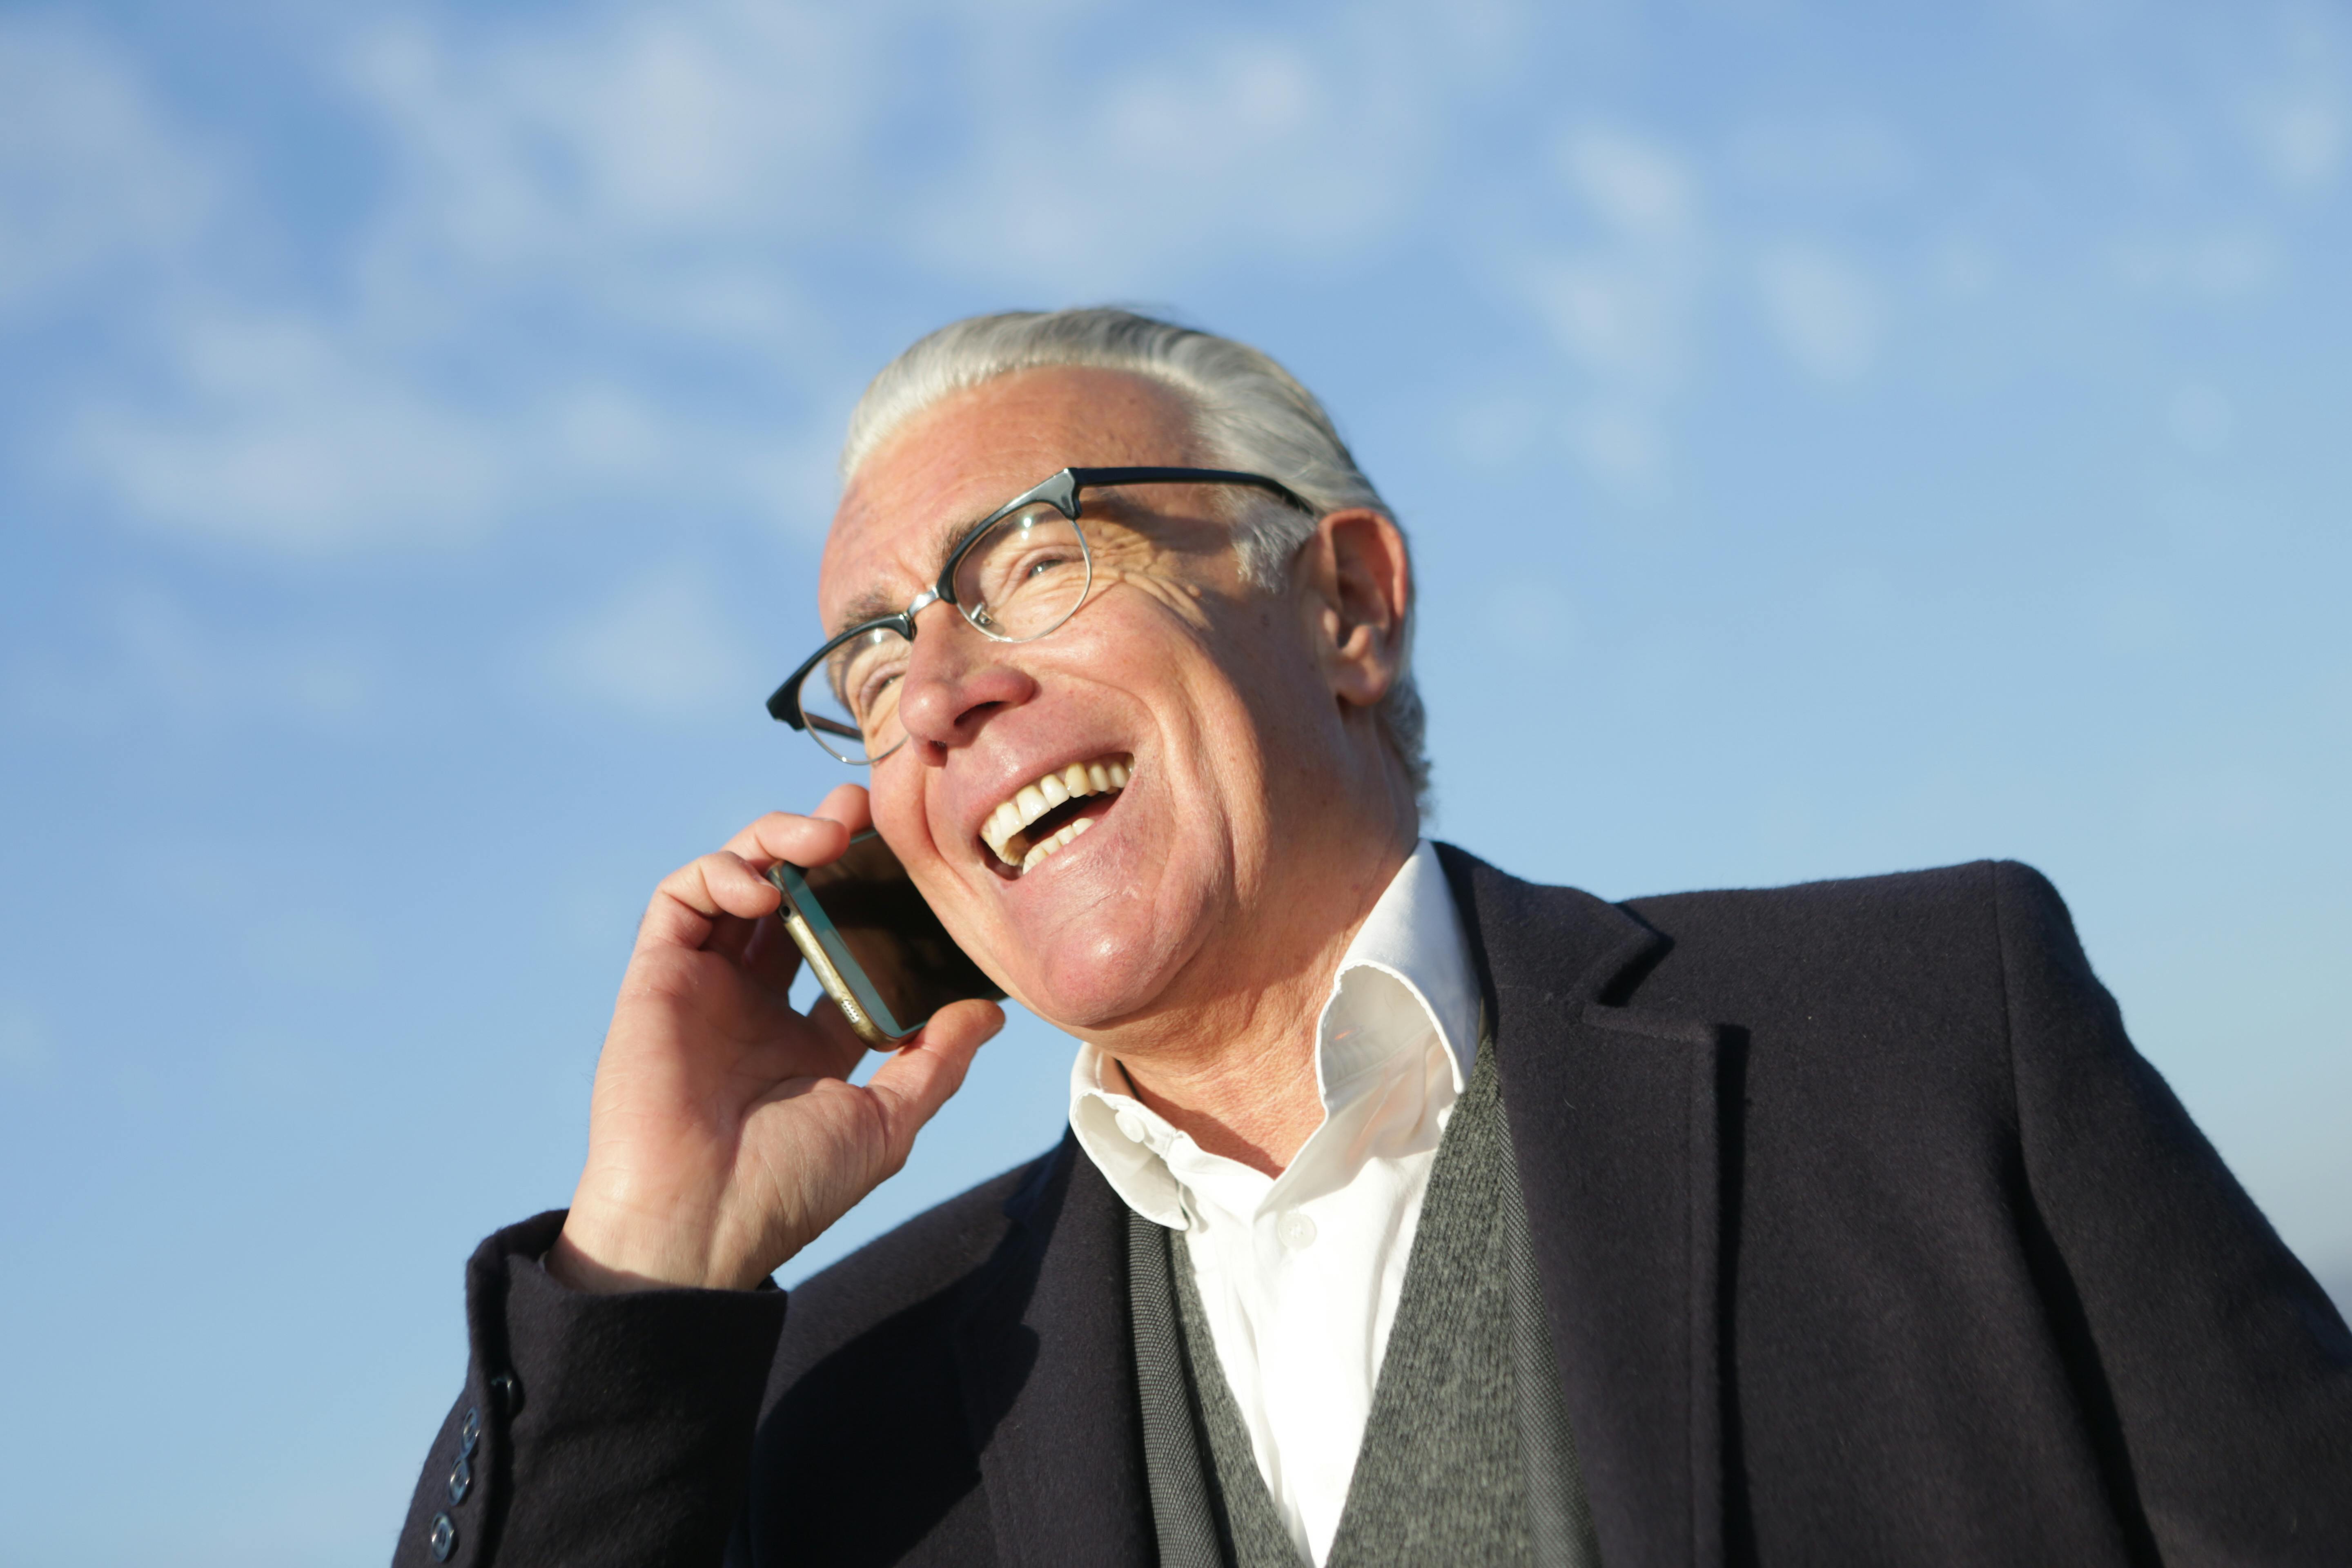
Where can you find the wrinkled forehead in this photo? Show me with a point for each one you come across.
(948, 466)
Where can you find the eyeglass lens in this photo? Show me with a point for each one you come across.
(1020, 581)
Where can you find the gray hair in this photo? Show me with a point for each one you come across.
(1247, 411)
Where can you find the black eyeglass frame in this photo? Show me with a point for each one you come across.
(1063, 492)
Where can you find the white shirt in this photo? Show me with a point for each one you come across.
(1301, 1274)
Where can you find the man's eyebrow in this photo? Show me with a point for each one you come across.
(875, 603)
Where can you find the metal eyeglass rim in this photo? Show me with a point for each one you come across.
(1062, 492)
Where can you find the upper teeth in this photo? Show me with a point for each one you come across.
(1032, 800)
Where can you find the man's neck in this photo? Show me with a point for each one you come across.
(1237, 1073)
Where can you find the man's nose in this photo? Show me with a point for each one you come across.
(955, 678)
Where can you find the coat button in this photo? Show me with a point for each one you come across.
(443, 1539)
(461, 1480)
(507, 1389)
(469, 1432)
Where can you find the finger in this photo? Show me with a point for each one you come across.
(692, 900)
(841, 1048)
(772, 957)
(782, 836)
(916, 1080)
(850, 806)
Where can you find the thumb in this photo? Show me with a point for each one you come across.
(920, 1077)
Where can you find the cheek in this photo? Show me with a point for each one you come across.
(898, 806)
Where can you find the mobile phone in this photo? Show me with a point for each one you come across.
(873, 944)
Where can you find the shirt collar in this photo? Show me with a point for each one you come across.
(1406, 984)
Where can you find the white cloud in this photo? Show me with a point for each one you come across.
(555, 195)
(91, 173)
(1246, 145)
(2300, 122)
(323, 433)
(2301, 137)
(1633, 185)
(1824, 310)
(607, 146)
(279, 435)
(662, 649)
(1625, 305)
(1618, 319)
(585, 222)
(520, 143)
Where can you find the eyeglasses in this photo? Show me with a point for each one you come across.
(1019, 573)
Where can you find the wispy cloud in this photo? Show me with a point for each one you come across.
(2300, 121)
(664, 648)
(92, 175)
(286, 432)
(1623, 302)
(599, 264)
(1824, 309)
(587, 225)
(150, 663)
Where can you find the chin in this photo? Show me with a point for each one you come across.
(1092, 979)
(1092, 984)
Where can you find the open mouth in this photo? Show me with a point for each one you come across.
(1050, 811)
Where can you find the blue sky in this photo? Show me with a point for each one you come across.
(1836, 439)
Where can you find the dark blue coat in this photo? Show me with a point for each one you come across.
(1866, 1238)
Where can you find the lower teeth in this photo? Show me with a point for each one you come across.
(1045, 847)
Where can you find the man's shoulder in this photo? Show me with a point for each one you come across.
(1844, 905)
(1899, 943)
(1915, 962)
(1927, 911)
(917, 1267)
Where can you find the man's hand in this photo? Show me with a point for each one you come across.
(724, 1134)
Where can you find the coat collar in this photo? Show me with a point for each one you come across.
(1615, 1120)
(1046, 1359)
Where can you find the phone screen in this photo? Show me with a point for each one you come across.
(886, 946)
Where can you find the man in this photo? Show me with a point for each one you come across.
(1409, 1213)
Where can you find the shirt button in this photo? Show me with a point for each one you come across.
(443, 1539)
(469, 1432)
(461, 1480)
(1294, 1231)
(1130, 1126)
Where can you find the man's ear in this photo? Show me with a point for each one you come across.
(1356, 581)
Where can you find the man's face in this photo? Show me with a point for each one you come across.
(1210, 696)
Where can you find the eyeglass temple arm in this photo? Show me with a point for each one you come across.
(781, 708)
(1091, 478)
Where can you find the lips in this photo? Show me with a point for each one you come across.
(1052, 810)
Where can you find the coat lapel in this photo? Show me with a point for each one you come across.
(1614, 1119)
(1047, 1369)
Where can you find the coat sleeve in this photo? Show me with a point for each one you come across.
(592, 1429)
(2215, 1373)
